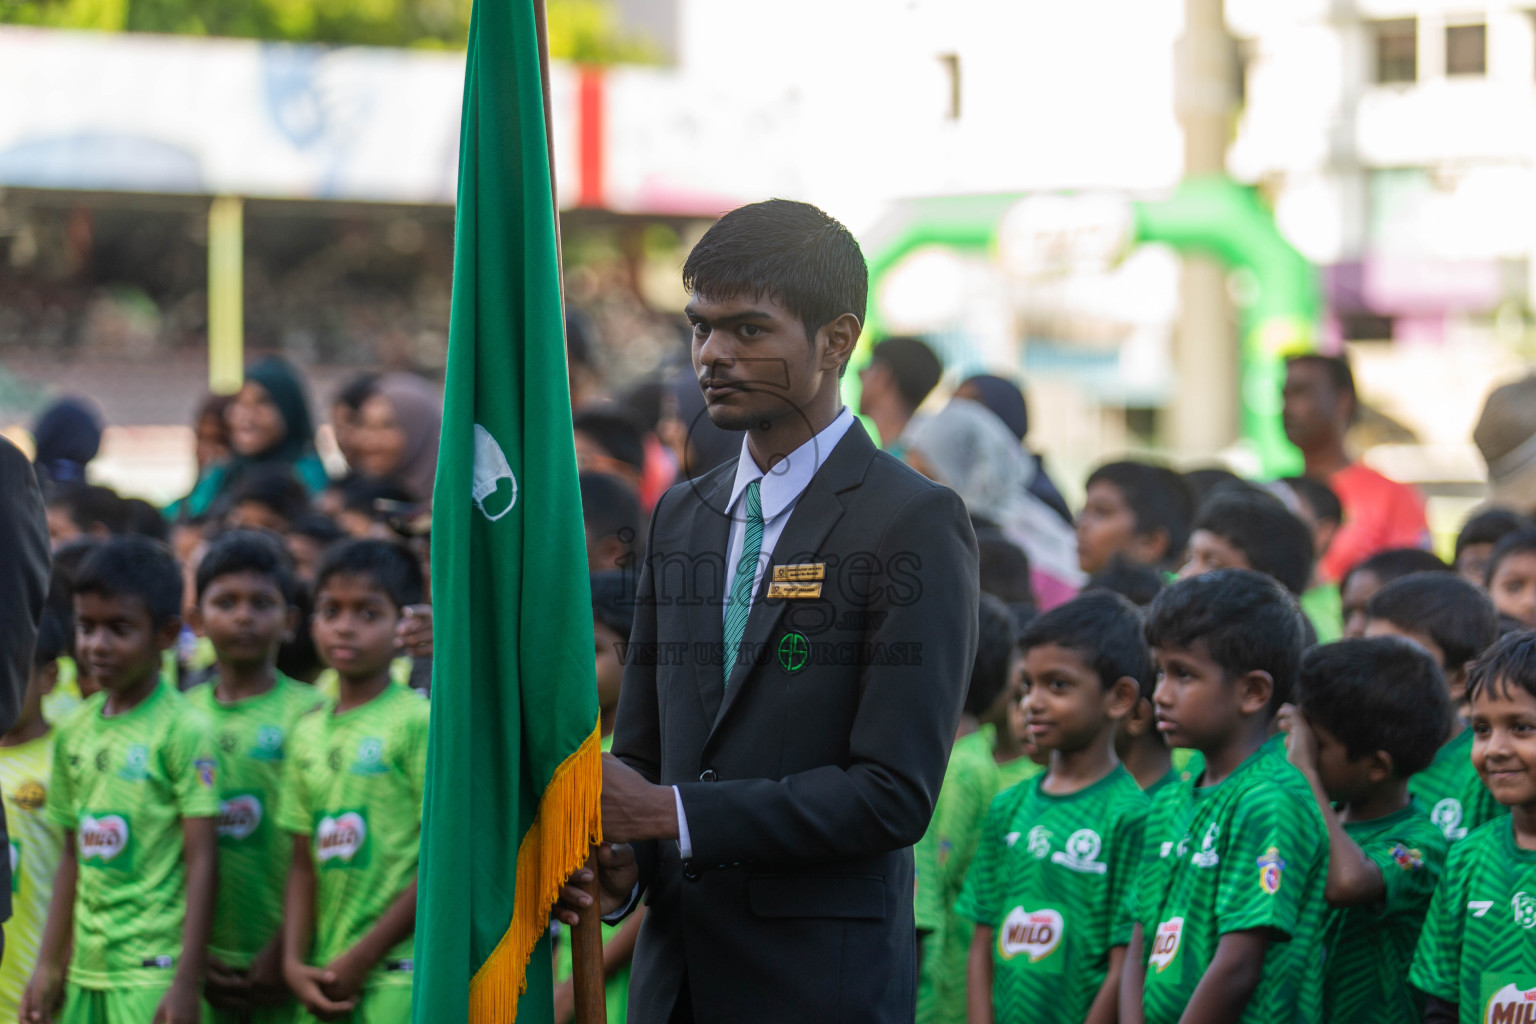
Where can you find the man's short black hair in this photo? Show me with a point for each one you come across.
(913, 365)
(1339, 375)
(995, 641)
(1158, 498)
(1508, 664)
(1004, 568)
(1249, 623)
(1516, 542)
(1395, 563)
(1105, 630)
(1138, 584)
(386, 565)
(613, 600)
(275, 487)
(134, 567)
(1381, 693)
(1453, 613)
(1255, 522)
(251, 551)
(1317, 496)
(791, 252)
(1489, 527)
(609, 507)
(90, 505)
(616, 432)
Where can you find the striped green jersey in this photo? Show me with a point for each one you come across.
(1451, 793)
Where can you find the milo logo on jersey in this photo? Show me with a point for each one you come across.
(105, 841)
(341, 839)
(1033, 932)
(1513, 1000)
(1165, 944)
(239, 817)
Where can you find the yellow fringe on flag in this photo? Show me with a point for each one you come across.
(568, 822)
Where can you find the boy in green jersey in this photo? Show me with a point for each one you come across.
(134, 776)
(352, 799)
(1047, 889)
(244, 607)
(1455, 622)
(1371, 713)
(26, 771)
(1230, 898)
(1476, 959)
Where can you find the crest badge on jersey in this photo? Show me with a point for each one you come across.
(205, 771)
(1524, 906)
(1408, 858)
(1271, 868)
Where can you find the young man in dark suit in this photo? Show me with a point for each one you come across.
(805, 626)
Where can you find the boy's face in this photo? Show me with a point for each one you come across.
(354, 626)
(305, 552)
(1357, 593)
(1504, 742)
(1107, 527)
(116, 639)
(1209, 552)
(1066, 706)
(1344, 778)
(245, 616)
(610, 671)
(1197, 705)
(1513, 587)
(1472, 564)
(1313, 412)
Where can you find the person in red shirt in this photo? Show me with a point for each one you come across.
(1320, 404)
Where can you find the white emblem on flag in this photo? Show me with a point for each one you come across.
(490, 469)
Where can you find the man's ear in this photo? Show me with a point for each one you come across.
(1254, 690)
(1121, 699)
(841, 335)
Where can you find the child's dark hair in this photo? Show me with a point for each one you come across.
(1509, 663)
(1248, 621)
(89, 506)
(246, 551)
(52, 638)
(609, 507)
(1317, 496)
(1489, 527)
(321, 529)
(142, 518)
(1277, 543)
(995, 640)
(613, 600)
(1517, 542)
(1138, 584)
(1105, 630)
(1395, 563)
(1453, 613)
(356, 391)
(388, 566)
(134, 567)
(274, 487)
(1381, 693)
(1004, 568)
(1159, 499)
(616, 431)
(790, 252)
(1205, 483)
(363, 494)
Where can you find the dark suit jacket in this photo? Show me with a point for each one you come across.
(24, 568)
(806, 781)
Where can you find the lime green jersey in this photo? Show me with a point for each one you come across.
(354, 788)
(1370, 948)
(972, 780)
(252, 736)
(26, 771)
(1478, 946)
(1248, 853)
(1451, 793)
(1051, 877)
(122, 785)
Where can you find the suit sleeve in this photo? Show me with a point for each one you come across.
(902, 730)
(24, 568)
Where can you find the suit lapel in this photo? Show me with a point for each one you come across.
(814, 516)
(707, 540)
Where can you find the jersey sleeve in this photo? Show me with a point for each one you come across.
(979, 897)
(927, 907)
(60, 809)
(1272, 843)
(1436, 969)
(294, 809)
(1410, 869)
(1129, 838)
(960, 828)
(191, 764)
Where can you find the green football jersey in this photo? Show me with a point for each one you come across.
(1478, 947)
(1248, 853)
(1050, 876)
(355, 789)
(1451, 793)
(1371, 947)
(26, 772)
(252, 736)
(971, 782)
(122, 785)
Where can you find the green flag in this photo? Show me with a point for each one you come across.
(513, 770)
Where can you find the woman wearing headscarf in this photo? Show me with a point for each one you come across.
(1005, 401)
(397, 433)
(968, 449)
(269, 425)
(66, 436)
